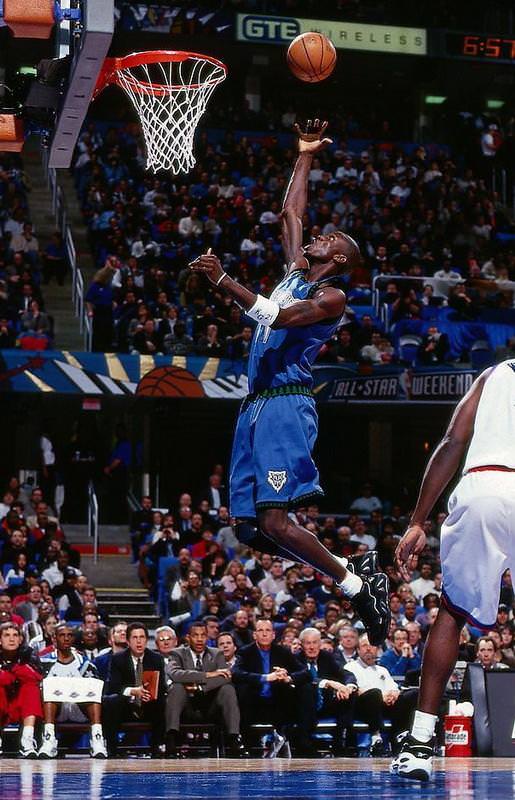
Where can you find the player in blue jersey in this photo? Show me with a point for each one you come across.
(272, 469)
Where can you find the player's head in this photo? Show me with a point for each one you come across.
(337, 247)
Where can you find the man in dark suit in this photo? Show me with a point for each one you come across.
(127, 698)
(332, 689)
(216, 493)
(272, 685)
(201, 683)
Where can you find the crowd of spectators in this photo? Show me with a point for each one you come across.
(247, 637)
(417, 213)
(25, 266)
(246, 602)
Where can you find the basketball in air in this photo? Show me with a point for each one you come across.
(311, 57)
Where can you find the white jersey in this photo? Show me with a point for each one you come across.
(493, 440)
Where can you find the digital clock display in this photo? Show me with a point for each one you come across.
(480, 46)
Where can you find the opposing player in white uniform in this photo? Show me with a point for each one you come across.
(67, 662)
(477, 543)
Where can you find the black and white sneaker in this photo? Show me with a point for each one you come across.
(371, 603)
(415, 760)
(365, 565)
(28, 748)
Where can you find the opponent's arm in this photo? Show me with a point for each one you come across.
(311, 141)
(440, 469)
(328, 303)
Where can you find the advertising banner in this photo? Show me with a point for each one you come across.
(344, 35)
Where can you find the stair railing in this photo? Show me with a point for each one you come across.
(93, 519)
(61, 219)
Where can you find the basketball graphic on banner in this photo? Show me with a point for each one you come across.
(170, 382)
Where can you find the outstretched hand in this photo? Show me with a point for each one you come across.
(209, 264)
(408, 551)
(311, 139)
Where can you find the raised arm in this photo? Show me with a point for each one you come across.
(310, 142)
(440, 469)
(328, 303)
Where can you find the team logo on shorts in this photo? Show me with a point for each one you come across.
(277, 478)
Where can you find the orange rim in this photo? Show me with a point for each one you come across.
(112, 66)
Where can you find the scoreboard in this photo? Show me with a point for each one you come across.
(488, 48)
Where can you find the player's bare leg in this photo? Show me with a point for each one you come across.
(440, 655)
(369, 596)
(415, 760)
(301, 543)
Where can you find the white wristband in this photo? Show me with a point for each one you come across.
(220, 279)
(264, 311)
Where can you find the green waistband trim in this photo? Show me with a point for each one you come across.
(281, 391)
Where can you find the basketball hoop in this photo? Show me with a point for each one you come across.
(170, 91)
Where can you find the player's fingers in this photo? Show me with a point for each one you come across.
(209, 251)
(325, 123)
(316, 124)
(327, 141)
(309, 125)
(412, 562)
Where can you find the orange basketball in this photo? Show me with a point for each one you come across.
(311, 57)
(170, 382)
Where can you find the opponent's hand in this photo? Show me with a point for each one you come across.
(311, 140)
(209, 264)
(408, 551)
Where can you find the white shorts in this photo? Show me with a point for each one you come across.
(478, 544)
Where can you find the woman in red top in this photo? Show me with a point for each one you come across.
(20, 694)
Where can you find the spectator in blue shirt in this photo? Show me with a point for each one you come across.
(401, 657)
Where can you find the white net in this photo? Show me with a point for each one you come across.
(170, 97)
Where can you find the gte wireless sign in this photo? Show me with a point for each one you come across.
(273, 30)
(344, 35)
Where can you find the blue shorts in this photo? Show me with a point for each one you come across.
(271, 464)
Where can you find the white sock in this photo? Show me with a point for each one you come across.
(27, 733)
(351, 584)
(49, 728)
(96, 728)
(423, 728)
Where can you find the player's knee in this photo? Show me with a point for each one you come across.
(274, 523)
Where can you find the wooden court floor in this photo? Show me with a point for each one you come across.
(128, 779)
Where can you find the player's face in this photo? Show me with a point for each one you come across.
(64, 639)
(325, 247)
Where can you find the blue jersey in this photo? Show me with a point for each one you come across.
(285, 356)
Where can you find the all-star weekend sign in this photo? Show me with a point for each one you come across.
(344, 35)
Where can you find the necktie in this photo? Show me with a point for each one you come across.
(139, 681)
(198, 663)
(314, 674)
